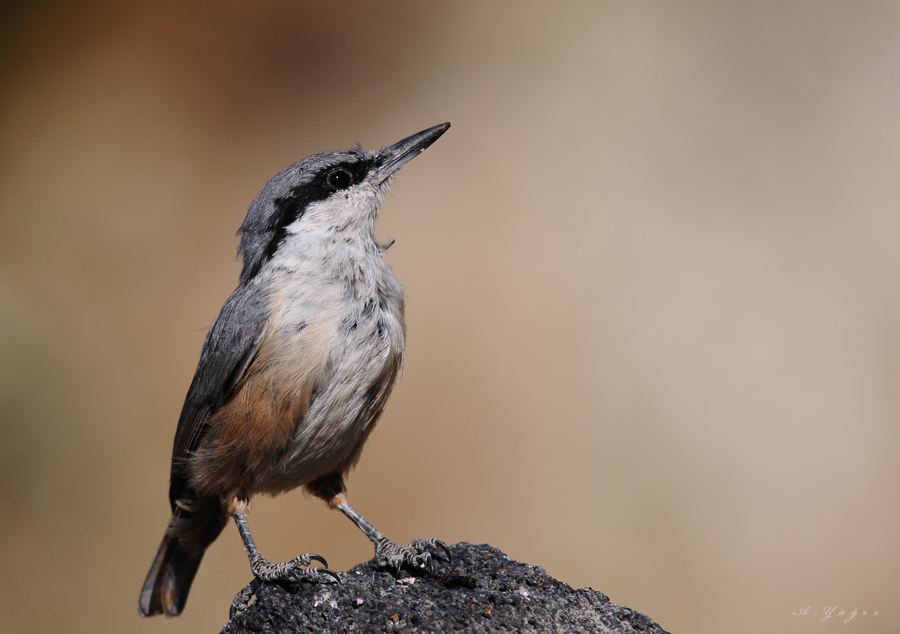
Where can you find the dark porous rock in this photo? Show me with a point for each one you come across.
(481, 590)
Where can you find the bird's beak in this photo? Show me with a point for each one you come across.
(394, 157)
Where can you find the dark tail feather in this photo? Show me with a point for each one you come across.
(189, 534)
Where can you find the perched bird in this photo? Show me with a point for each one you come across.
(295, 371)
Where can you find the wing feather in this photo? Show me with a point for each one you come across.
(230, 348)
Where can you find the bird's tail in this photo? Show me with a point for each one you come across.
(191, 530)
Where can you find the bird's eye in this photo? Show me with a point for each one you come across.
(340, 178)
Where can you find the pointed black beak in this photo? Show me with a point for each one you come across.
(392, 158)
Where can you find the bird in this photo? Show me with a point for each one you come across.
(294, 372)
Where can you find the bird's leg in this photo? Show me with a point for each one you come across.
(264, 570)
(417, 554)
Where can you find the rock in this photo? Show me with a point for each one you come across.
(481, 590)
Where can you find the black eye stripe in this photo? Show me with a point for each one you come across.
(290, 208)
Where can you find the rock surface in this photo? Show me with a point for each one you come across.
(481, 590)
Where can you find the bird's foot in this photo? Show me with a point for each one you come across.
(242, 599)
(418, 555)
(294, 570)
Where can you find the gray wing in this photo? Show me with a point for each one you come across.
(230, 347)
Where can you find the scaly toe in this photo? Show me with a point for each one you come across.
(294, 570)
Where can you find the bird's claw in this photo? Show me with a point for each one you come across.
(436, 544)
(317, 575)
(418, 554)
(242, 599)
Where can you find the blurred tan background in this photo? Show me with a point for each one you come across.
(653, 282)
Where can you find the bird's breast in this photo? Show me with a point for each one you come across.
(345, 333)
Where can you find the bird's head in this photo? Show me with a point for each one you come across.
(328, 192)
